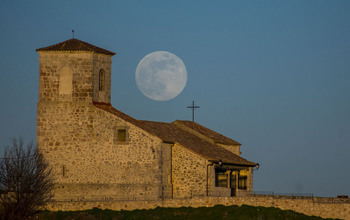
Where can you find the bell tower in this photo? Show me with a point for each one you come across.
(74, 71)
(73, 75)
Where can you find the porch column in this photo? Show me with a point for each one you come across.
(228, 178)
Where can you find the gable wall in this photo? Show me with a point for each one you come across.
(78, 141)
(233, 148)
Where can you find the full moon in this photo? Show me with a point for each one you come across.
(161, 75)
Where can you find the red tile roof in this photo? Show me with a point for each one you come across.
(171, 132)
(75, 45)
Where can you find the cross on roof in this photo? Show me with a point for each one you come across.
(193, 107)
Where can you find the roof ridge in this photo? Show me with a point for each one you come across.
(75, 44)
(214, 135)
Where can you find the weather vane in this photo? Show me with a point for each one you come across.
(193, 107)
(73, 33)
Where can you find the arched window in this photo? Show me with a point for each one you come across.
(66, 81)
(101, 80)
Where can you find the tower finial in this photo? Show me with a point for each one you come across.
(73, 33)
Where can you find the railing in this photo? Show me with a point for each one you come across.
(271, 193)
(300, 196)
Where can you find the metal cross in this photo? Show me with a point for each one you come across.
(193, 107)
(73, 33)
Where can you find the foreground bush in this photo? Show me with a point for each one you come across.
(217, 212)
(25, 181)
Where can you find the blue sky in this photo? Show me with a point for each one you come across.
(273, 75)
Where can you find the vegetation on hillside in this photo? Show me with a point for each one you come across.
(217, 212)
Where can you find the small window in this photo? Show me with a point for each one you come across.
(101, 80)
(220, 178)
(121, 135)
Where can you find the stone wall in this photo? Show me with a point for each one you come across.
(307, 206)
(189, 173)
(78, 141)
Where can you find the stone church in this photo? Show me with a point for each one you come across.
(98, 153)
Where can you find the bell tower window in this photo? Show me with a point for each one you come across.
(101, 79)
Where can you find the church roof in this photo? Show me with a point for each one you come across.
(75, 45)
(216, 137)
(170, 132)
(173, 133)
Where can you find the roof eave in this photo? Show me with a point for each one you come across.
(73, 51)
(225, 143)
(76, 45)
(234, 164)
